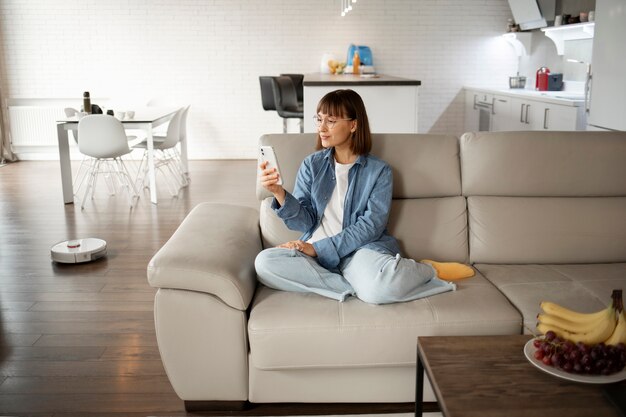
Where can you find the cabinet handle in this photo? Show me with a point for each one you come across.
(493, 105)
(526, 117)
(545, 118)
(475, 97)
(521, 114)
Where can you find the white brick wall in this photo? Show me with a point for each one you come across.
(209, 53)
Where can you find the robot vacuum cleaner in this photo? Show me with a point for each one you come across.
(79, 250)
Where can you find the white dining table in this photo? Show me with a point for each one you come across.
(145, 119)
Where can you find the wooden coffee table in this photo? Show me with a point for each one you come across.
(490, 376)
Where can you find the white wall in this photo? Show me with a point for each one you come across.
(209, 53)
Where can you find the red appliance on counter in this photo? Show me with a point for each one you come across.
(541, 81)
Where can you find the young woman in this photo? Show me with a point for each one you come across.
(341, 203)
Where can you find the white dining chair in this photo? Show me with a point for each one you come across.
(166, 156)
(160, 130)
(183, 139)
(80, 174)
(103, 138)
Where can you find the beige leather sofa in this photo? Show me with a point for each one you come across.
(540, 215)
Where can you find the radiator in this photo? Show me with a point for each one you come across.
(34, 125)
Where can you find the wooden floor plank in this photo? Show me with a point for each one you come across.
(18, 339)
(54, 353)
(128, 353)
(83, 316)
(141, 339)
(128, 286)
(85, 403)
(106, 278)
(86, 385)
(80, 297)
(51, 288)
(74, 327)
(15, 305)
(134, 306)
(82, 368)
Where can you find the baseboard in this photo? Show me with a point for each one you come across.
(244, 408)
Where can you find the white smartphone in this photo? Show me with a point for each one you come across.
(266, 153)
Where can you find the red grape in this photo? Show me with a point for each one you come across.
(599, 359)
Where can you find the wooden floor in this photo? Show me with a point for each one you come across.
(78, 340)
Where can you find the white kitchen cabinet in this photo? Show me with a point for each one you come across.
(521, 117)
(471, 111)
(379, 94)
(557, 117)
(539, 115)
(503, 118)
(523, 110)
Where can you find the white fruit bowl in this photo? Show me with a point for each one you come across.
(529, 351)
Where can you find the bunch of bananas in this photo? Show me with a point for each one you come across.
(606, 326)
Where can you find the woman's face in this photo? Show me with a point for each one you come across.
(335, 131)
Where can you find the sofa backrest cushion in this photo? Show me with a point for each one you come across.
(428, 215)
(545, 197)
(545, 230)
(431, 228)
(548, 164)
(423, 165)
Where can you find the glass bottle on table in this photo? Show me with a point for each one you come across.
(86, 102)
(356, 63)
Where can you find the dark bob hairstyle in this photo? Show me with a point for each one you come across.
(347, 104)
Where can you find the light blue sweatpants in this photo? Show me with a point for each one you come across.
(374, 277)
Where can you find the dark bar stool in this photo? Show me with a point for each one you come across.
(267, 93)
(298, 83)
(286, 101)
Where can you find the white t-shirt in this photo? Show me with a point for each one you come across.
(332, 220)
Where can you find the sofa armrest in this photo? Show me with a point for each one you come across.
(212, 251)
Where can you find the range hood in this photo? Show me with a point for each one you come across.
(532, 14)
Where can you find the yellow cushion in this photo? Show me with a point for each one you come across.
(450, 270)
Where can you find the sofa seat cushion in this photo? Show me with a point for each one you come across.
(585, 287)
(296, 330)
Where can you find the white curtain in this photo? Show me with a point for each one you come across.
(5, 144)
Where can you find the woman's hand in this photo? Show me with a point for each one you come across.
(268, 179)
(300, 246)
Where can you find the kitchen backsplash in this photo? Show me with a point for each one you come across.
(544, 55)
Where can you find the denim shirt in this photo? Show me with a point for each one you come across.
(366, 208)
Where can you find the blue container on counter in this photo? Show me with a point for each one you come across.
(365, 54)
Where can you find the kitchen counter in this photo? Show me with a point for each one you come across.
(566, 98)
(352, 80)
(379, 93)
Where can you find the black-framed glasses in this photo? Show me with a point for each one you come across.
(330, 121)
